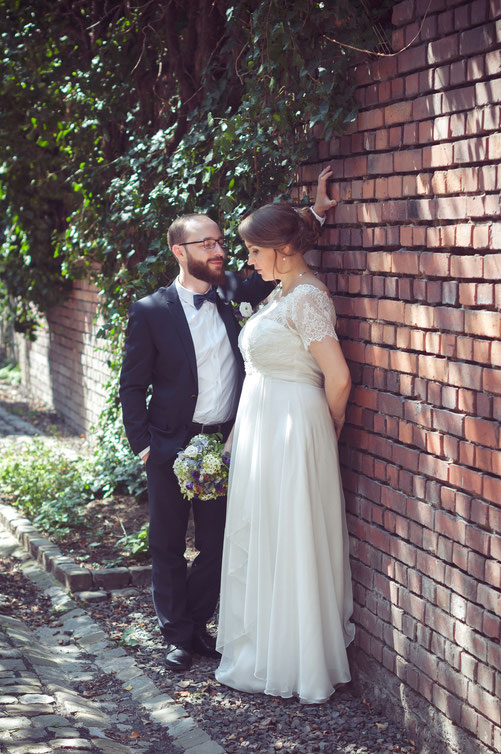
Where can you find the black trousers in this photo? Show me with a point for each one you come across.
(183, 601)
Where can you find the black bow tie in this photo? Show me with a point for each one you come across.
(199, 298)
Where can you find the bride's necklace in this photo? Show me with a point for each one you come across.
(281, 287)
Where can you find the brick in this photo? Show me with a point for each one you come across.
(403, 13)
(449, 319)
(412, 59)
(438, 155)
(491, 380)
(485, 702)
(378, 164)
(465, 376)
(434, 265)
(477, 40)
(493, 63)
(471, 150)
(491, 490)
(400, 112)
(428, 106)
(408, 160)
(443, 50)
(467, 266)
(483, 323)
(488, 92)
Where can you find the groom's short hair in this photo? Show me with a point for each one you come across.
(177, 231)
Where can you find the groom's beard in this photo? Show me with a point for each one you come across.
(203, 271)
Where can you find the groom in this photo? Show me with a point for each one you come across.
(182, 344)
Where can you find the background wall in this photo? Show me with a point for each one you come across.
(66, 366)
(412, 257)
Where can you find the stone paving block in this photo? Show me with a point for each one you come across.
(9, 620)
(29, 709)
(111, 578)
(168, 714)
(129, 591)
(63, 732)
(140, 684)
(78, 624)
(92, 638)
(46, 721)
(192, 738)
(72, 743)
(29, 679)
(75, 579)
(127, 674)
(140, 575)
(36, 699)
(6, 664)
(109, 746)
(18, 688)
(27, 748)
(96, 596)
(36, 543)
(31, 735)
(38, 658)
(158, 702)
(182, 726)
(12, 723)
(8, 699)
(47, 555)
(106, 658)
(9, 653)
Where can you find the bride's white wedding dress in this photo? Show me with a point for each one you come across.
(286, 597)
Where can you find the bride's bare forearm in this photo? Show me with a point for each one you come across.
(337, 397)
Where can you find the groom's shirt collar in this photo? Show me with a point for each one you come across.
(185, 296)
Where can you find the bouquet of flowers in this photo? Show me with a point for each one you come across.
(202, 468)
(242, 311)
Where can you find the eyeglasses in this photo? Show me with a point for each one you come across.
(209, 243)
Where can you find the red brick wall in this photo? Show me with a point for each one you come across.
(66, 366)
(411, 254)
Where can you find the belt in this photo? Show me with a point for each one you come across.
(209, 429)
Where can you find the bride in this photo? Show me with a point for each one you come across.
(286, 598)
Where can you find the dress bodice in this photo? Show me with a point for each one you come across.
(275, 340)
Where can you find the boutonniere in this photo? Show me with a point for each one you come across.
(242, 311)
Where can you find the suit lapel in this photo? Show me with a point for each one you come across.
(170, 300)
(226, 314)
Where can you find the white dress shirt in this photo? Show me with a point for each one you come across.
(216, 364)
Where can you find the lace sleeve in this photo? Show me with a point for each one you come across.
(311, 312)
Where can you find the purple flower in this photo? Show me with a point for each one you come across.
(226, 458)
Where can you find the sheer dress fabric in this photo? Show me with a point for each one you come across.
(286, 597)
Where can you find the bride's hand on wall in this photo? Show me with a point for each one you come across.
(322, 201)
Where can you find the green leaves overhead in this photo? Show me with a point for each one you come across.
(117, 118)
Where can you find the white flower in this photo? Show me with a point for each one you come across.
(191, 451)
(211, 464)
(245, 309)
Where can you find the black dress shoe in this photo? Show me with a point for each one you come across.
(204, 644)
(178, 657)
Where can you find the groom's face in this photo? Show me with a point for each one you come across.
(201, 262)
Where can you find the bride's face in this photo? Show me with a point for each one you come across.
(264, 261)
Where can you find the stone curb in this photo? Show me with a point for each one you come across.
(77, 624)
(74, 578)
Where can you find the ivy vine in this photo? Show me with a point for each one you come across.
(117, 117)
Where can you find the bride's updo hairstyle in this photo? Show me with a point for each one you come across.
(278, 225)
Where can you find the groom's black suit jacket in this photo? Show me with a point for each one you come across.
(159, 352)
